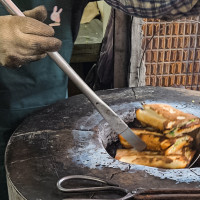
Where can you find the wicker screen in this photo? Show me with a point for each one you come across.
(172, 53)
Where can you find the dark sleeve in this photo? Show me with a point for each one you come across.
(168, 9)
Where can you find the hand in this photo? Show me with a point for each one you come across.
(26, 39)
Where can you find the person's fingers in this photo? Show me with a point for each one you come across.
(24, 39)
(39, 13)
(16, 61)
(31, 26)
(39, 44)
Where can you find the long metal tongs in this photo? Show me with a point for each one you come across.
(105, 186)
(140, 194)
(116, 123)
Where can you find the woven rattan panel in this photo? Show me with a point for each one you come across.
(172, 53)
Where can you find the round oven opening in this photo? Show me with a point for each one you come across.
(112, 143)
(115, 144)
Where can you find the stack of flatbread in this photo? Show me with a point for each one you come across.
(166, 134)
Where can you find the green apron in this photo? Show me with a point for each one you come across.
(35, 85)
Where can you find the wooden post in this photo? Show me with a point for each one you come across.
(122, 43)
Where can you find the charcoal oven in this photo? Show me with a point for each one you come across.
(70, 138)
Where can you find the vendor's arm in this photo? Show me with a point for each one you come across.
(26, 39)
(168, 9)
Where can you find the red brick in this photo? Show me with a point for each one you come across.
(178, 68)
(196, 67)
(174, 43)
(180, 42)
(178, 80)
(173, 55)
(175, 29)
(166, 68)
(165, 81)
(179, 55)
(193, 28)
(156, 20)
(199, 79)
(154, 69)
(168, 43)
(172, 68)
(161, 43)
(187, 42)
(171, 80)
(148, 43)
(181, 28)
(154, 56)
(187, 29)
(169, 28)
(156, 29)
(148, 81)
(195, 80)
(162, 29)
(148, 69)
(191, 54)
(189, 80)
(197, 54)
(190, 68)
(192, 42)
(198, 29)
(160, 56)
(149, 20)
(160, 69)
(155, 43)
(184, 68)
(153, 81)
(148, 56)
(159, 81)
(149, 29)
(167, 56)
(183, 80)
(185, 55)
(198, 41)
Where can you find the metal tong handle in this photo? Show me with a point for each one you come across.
(127, 197)
(109, 115)
(107, 186)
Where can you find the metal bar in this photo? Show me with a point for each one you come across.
(168, 194)
(168, 197)
(171, 191)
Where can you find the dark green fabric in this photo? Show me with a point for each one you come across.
(37, 84)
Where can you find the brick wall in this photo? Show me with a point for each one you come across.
(172, 53)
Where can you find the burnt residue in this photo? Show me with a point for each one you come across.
(112, 148)
(168, 160)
